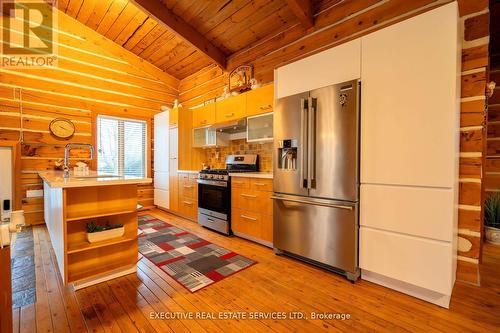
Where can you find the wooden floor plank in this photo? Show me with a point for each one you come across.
(27, 323)
(43, 317)
(57, 308)
(119, 314)
(73, 313)
(275, 283)
(15, 320)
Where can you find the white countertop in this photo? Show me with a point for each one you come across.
(267, 175)
(188, 171)
(56, 179)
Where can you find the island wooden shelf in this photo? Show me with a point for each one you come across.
(101, 214)
(85, 246)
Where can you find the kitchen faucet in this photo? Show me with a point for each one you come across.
(67, 150)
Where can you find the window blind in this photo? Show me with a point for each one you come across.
(121, 146)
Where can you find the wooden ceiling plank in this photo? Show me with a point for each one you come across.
(62, 5)
(140, 33)
(303, 9)
(149, 38)
(129, 30)
(74, 7)
(125, 17)
(86, 10)
(100, 9)
(166, 38)
(229, 9)
(110, 17)
(155, 9)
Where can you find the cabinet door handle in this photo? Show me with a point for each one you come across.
(266, 107)
(229, 114)
(188, 186)
(248, 195)
(188, 202)
(237, 182)
(248, 218)
(259, 184)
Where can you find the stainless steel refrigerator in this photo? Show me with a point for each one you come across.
(316, 177)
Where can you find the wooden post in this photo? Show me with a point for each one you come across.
(5, 291)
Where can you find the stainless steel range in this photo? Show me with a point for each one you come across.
(214, 192)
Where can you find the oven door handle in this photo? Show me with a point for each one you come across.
(212, 182)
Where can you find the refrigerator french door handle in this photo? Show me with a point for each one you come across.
(312, 202)
(303, 144)
(311, 143)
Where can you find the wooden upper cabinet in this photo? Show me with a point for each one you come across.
(231, 109)
(174, 117)
(260, 100)
(204, 116)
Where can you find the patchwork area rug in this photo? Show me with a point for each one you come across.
(190, 260)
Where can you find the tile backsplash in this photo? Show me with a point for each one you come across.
(216, 157)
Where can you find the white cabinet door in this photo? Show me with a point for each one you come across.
(161, 198)
(418, 211)
(161, 144)
(173, 142)
(335, 65)
(421, 262)
(161, 180)
(410, 101)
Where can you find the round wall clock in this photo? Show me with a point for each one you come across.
(62, 128)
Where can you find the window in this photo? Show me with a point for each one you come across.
(121, 146)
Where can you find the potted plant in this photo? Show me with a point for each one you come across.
(98, 233)
(492, 218)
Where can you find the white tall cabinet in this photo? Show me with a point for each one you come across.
(409, 154)
(161, 159)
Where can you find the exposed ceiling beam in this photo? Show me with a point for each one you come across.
(156, 10)
(303, 10)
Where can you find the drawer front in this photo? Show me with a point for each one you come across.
(188, 189)
(246, 222)
(418, 261)
(254, 201)
(423, 212)
(261, 184)
(240, 182)
(188, 207)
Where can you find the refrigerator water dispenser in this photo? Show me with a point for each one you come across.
(287, 154)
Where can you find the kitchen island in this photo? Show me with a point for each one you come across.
(71, 203)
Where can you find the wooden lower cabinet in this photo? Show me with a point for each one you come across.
(188, 195)
(252, 209)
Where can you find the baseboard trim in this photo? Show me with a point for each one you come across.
(407, 288)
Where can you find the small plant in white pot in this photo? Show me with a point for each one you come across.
(492, 218)
(98, 233)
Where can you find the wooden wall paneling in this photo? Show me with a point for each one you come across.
(473, 120)
(94, 76)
